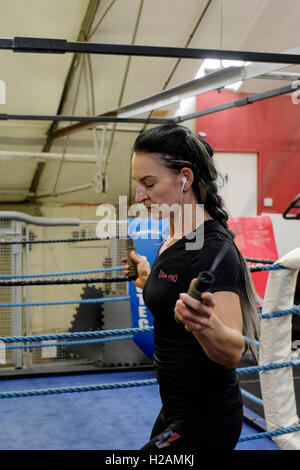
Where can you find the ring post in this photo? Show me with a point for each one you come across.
(277, 386)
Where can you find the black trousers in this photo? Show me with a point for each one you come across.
(198, 433)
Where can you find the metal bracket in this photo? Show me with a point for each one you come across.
(293, 205)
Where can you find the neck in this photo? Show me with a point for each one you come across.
(192, 214)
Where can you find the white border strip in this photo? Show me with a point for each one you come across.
(277, 386)
(2, 353)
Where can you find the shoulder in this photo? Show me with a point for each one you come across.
(208, 239)
(229, 272)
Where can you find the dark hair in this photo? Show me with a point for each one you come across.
(178, 147)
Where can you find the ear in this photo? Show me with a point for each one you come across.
(187, 178)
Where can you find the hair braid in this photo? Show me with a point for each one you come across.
(214, 204)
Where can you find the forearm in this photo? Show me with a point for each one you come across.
(222, 344)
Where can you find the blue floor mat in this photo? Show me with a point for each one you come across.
(118, 419)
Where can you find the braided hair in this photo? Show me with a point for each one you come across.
(178, 147)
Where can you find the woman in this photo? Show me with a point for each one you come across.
(195, 356)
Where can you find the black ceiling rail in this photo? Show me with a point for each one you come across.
(61, 46)
(240, 102)
(203, 112)
(60, 117)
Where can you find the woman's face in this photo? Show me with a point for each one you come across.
(156, 183)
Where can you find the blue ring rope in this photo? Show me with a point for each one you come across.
(79, 334)
(65, 302)
(69, 343)
(64, 273)
(267, 267)
(84, 388)
(281, 313)
(248, 340)
(279, 365)
(251, 397)
(276, 432)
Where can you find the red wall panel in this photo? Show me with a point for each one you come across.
(271, 128)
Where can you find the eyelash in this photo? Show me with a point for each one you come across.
(149, 185)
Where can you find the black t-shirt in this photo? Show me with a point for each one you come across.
(190, 382)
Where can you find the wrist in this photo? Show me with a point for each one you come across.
(210, 328)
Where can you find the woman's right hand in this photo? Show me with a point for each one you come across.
(143, 268)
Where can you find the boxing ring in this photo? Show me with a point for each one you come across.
(114, 407)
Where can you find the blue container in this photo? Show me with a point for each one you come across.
(148, 234)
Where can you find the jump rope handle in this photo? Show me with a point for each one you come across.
(130, 246)
(202, 284)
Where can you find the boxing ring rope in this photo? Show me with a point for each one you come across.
(52, 282)
(281, 284)
(80, 334)
(64, 273)
(65, 302)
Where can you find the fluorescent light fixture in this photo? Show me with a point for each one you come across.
(208, 64)
(185, 105)
(216, 64)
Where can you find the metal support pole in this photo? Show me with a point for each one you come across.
(27, 297)
(17, 319)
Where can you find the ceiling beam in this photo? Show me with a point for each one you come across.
(7, 155)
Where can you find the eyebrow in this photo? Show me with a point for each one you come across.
(145, 177)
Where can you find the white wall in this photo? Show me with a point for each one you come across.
(239, 188)
(286, 233)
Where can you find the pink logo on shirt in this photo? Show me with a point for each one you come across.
(170, 277)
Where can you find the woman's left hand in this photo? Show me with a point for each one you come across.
(193, 313)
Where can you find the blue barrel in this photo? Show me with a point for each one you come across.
(148, 234)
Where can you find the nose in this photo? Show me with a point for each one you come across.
(140, 193)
